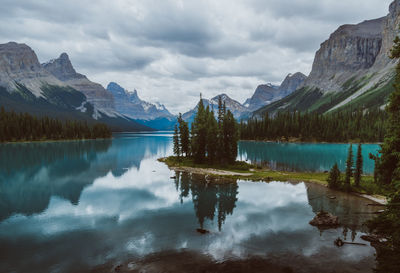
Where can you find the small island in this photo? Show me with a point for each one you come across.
(210, 148)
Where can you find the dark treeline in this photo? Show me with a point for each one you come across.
(25, 127)
(365, 126)
(387, 174)
(210, 140)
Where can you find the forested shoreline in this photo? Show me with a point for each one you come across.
(359, 125)
(19, 127)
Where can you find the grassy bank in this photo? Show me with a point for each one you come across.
(244, 171)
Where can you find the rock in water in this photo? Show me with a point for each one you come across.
(325, 219)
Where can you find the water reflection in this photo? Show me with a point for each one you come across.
(209, 199)
(31, 173)
(76, 206)
(314, 157)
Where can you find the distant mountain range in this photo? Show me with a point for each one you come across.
(352, 69)
(55, 89)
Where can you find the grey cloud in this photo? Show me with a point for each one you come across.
(182, 47)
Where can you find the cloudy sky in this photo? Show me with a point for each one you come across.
(171, 50)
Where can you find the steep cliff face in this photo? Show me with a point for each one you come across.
(350, 49)
(63, 70)
(19, 65)
(129, 104)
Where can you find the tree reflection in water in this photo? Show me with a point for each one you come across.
(210, 200)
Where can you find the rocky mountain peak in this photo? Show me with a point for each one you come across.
(129, 104)
(19, 64)
(291, 83)
(18, 58)
(62, 68)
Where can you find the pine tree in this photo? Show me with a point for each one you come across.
(349, 168)
(212, 137)
(184, 136)
(334, 181)
(199, 133)
(177, 150)
(359, 167)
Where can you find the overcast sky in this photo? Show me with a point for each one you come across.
(170, 51)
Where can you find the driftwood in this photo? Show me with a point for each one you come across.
(339, 243)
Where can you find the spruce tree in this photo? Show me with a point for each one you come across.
(177, 150)
(212, 137)
(349, 168)
(359, 167)
(199, 133)
(334, 181)
(184, 136)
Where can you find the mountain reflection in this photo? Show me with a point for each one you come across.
(31, 173)
(210, 200)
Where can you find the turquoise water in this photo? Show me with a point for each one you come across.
(313, 157)
(80, 206)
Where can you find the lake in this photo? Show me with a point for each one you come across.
(309, 157)
(109, 206)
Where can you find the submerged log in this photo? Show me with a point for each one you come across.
(325, 220)
(339, 243)
(202, 231)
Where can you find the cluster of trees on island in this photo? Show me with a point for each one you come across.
(366, 126)
(25, 127)
(210, 140)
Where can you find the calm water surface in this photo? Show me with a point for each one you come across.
(313, 157)
(79, 206)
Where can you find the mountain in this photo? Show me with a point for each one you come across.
(62, 69)
(351, 69)
(237, 109)
(27, 86)
(129, 104)
(268, 93)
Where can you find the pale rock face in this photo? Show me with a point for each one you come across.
(63, 70)
(19, 64)
(129, 104)
(350, 49)
(356, 51)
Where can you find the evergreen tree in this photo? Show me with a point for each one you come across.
(212, 137)
(387, 172)
(199, 133)
(230, 137)
(359, 167)
(177, 150)
(349, 168)
(220, 152)
(334, 181)
(184, 136)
